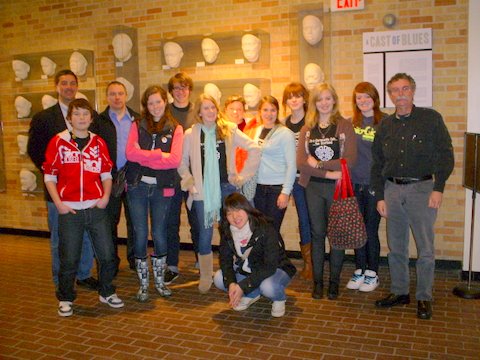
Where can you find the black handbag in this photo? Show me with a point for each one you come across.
(119, 183)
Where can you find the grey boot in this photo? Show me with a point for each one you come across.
(141, 266)
(159, 266)
(206, 272)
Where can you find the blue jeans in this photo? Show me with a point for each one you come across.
(265, 200)
(143, 198)
(205, 234)
(298, 193)
(272, 287)
(173, 236)
(368, 255)
(86, 259)
(407, 207)
(319, 201)
(71, 231)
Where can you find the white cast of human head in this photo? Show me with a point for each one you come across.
(173, 54)
(312, 29)
(128, 85)
(23, 107)
(313, 75)
(48, 101)
(22, 141)
(122, 47)
(21, 69)
(79, 95)
(78, 63)
(28, 180)
(48, 66)
(213, 90)
(251, 46)
(252, 95)
(210, 50)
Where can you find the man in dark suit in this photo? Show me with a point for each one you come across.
(43, 127)
(113, 126)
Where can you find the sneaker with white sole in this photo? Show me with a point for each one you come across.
(371, 281)
(245, 303)
(278, 308)
(65, 308)
(113, 301)
(356, 281)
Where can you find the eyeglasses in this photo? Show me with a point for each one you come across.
(398, 90)
(180, 88)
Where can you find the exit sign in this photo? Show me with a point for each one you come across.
(345, 5)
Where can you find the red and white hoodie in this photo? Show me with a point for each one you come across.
(78, 174)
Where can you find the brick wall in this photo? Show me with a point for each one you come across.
(39, 26)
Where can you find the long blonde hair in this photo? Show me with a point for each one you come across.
(221, 122)
(313, 116)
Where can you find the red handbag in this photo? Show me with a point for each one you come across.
(346, 228)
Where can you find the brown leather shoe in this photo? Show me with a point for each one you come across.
(392, 300)
(424, 309)
(307, 272)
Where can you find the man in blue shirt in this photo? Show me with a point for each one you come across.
(114, 126)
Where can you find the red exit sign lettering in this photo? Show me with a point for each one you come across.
(345, 5)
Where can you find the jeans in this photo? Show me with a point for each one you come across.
(367, 256)
(114, 209)
(407, 207)
(86, 259)
(173, 236)
(265, 200)
(298, 193)
(319, 201)
(205, 234)
(72, 227)
(272, 287)
(143, 198)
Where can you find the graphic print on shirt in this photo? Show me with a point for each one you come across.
(91, 160)
(324, 146)
(367, 134)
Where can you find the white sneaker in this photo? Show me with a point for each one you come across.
(113, 301)
(371, 281)
(278, 308)
(245, 303)
(357, 279)
(65, 308)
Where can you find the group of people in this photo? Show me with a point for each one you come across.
(239, 173)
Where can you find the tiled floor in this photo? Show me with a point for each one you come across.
(192, 326)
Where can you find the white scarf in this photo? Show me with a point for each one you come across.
(241, 238)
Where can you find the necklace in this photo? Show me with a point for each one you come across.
(324, 131)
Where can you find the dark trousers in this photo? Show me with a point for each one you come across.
(70, 230)
(368, 255)
(265, 200)
(114, 209)
(319, 201)
(173, 227)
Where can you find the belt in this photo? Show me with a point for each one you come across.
(408, 180)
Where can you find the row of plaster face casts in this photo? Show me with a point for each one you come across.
(251, 94)
(313, 75)
(24, 107)
(122, 47)
(312, 29)
(21, 68)
(173, 52)
(28, 180)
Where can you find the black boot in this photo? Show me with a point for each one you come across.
(332, 291)
(317, 292)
